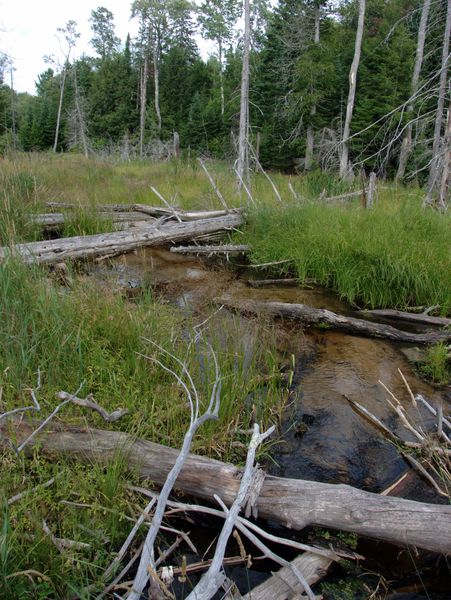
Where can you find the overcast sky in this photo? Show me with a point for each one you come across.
(28, 27)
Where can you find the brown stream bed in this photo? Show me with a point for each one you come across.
(323, 438)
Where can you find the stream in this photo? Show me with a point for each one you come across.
(323, 438)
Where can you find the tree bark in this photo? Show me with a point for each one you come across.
(293, 503)
(156, 79)
(344, 160)
(446, 168)
(434, 175)
(243, 138)
(322, 316)
(81, 247)
(407, 140)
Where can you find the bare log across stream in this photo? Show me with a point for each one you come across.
(291, 502)
(49, 221)
(52, 251)
(408, 316)
(322, 316)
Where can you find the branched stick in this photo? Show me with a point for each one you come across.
(213, 579)
(148, 554)
(48, 419)
(166, 203)
(36, 406)
(41, 486)
(88, 402)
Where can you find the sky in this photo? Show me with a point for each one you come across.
(28, 28)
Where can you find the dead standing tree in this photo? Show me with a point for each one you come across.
(243, 139)
(70, 36)
(344, 159)
(437, 158)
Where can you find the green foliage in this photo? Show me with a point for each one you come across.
(393, 256)
(437, 364)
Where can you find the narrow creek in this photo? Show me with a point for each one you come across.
(323, 438)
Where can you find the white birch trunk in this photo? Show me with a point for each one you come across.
(243, 139)
(344, 160)
(434, 174)
(407, 140)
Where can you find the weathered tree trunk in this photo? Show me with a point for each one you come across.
(446, 168)
(221, 78)
(291, 502)
(434, 175)
(371, 191)
(309, 150)
(143, 103)
(318, 316)
(243, 138)
(344, 159)
(80, 116)
(156, 80)
(407, 140)
(51, 251)
(60, 106)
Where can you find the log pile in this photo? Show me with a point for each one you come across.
(105, 244)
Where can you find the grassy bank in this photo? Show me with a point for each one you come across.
(396, 255)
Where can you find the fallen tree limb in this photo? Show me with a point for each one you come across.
(222, 249)
(293, 503)
(51, 251)
(407, 316)
(283, 584)
(322, 316)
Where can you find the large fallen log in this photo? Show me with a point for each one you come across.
(322, 316)
(51, 251)
(291, 502)
(408, 316)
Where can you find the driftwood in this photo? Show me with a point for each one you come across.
(293, 503)
(79, 247)
(322, 316)
(183, 215)
(408, 316)
(283, 584)
(222, 249)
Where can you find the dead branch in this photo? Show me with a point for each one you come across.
(88, 402)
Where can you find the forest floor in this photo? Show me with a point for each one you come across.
(56, 337)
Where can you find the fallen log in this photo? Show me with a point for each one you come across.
(322, 316)
(222, 249)
(408, 316)
(50, 221)
(291, 502)
(106, 207)
(51, 251)
(193, 215)
(283, 584)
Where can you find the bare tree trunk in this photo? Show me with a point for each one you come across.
(60, 106)
(435, 160)
(156, 79)
(80, 116)
(221, 79)
(446, 169)
(310, 135)
(143, 108)
(13, 108)
(344, 160)
(243, 139)
(407, 140)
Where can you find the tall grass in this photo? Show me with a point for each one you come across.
(392, 256)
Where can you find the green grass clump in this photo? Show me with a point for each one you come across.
(392, 256)
(437, 364)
